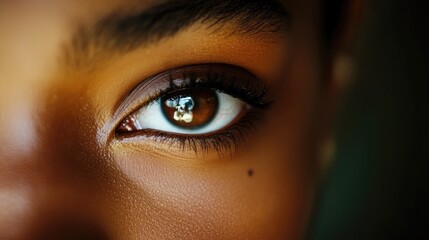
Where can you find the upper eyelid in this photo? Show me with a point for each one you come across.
(128, 102)
(150, 88)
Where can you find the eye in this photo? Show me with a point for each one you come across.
(188, 111)
(199, 106)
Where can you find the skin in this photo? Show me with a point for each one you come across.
(63, 175)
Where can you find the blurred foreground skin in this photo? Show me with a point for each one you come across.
(65, 174)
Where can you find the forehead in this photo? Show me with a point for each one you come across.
(32, 33)
(31, 36)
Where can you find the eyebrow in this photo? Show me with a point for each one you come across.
(119, 32)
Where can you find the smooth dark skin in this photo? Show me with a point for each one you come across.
(64, 175)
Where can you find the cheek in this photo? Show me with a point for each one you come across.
(206, 200)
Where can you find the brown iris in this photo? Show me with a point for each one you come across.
(190, 108)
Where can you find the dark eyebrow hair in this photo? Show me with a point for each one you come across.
(125, 32)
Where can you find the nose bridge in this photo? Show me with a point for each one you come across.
(17, 168)
(17, 129)
(21, 172)
(28, 54)
(43, 193)
(40, 200)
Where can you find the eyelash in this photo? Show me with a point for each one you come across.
(224, 142)
(249, 90)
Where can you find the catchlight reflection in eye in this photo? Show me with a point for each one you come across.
(198, 107)
(190, 109)
(187, 111)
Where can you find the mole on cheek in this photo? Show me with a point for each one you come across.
(250, 172)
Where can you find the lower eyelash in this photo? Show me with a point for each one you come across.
(231, 80)
(225, 142)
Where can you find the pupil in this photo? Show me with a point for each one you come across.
(183, 106)
(190, 108)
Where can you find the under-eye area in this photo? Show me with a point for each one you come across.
(199, 107)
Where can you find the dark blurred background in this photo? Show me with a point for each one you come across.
(377, 187)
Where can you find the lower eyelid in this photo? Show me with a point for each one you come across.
(224, 144)
(223, 141)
